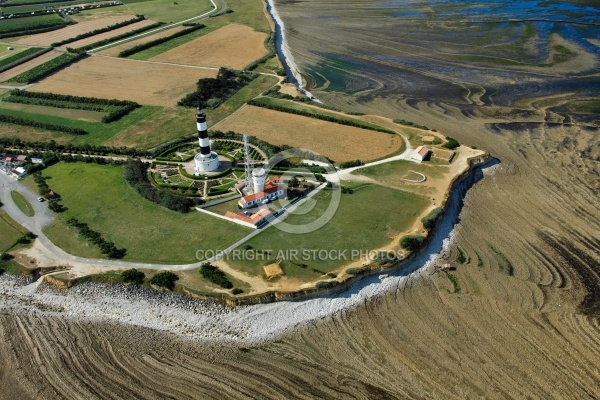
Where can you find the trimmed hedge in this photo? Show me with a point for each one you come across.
(451, 143)
(408, 123)
(119, 108)
(108, 28)
(47, 68)
(328, 118)
(24, 56)
(144, 46)
(42, 125)
(122, 36)
(215, 275)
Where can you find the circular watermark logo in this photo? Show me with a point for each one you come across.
(310, 198)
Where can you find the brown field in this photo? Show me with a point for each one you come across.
(32, 134)
(11, 73)
(114, 51)
(47, 38)
(109, 34)
(232, 46)
(337, 142)
(122, 79)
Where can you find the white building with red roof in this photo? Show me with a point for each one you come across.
(271, 191)
(420, 153)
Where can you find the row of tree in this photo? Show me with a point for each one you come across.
(9, 119)
(98, 31)
(213, 91)
(328, 118)
(136, 174)
(51, 145)
(147, 45)
(95, 238)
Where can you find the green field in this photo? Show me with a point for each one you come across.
(28, 23)
(393, 172)
(98, 133)
(365, 220)
(99, 196)
(22, 203)
(81, 115)
(11, 231)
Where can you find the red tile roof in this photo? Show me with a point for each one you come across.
(252, 219)
(270, 187)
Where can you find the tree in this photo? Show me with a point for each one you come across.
(412, 242)
(165, 279)
(133, 275)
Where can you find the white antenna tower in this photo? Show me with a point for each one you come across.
(248, 166)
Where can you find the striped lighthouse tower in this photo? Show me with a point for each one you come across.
(206, 160)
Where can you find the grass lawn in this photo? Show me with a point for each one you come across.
(11, 231)
(99, 196)
(98, 133)
(365, 220)
(231, 205)
(394, 172)
(22, 203)
(250, 91)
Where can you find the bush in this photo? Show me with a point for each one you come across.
(451, 143)
(133, 275)
(384, 257)
(236, 291)
(431, 218)
(215, 275)
(325, 285)
(354, 271)
(164, 279)
(350, 164)
(95, 238)
(412, 242)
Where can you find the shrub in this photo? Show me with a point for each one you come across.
(350, 164)
(431, 218)
(325, 285)
(215, 275)
(384, 257)
(451, 143)
(164, 279)
(236, 291)
(354, 271)
(133, 275)
(455, 283)
(412, 242)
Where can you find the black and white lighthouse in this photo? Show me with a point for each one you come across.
(206, 160)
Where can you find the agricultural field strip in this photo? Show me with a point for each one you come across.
(108, 35)
(162, 63)
(162, 28)
(58, 255)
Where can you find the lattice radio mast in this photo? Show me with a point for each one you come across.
(248, 165)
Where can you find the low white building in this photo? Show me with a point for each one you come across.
(18, 172)
(420, 153)
(270, 192)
